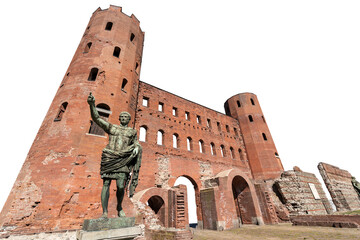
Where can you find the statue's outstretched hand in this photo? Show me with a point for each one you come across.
(91, 99)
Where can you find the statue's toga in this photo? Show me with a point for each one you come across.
(121, 158)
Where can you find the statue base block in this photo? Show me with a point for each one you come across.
(108, 223)
(109, 228)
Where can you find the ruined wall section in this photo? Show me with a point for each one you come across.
(338, 182)
(294, 190)
(169, 162)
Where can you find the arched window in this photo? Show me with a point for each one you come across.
(238, 103)
(124, 82)
(142, 136)
(132, 36)
(93, 74)
(175, 140)
(87, 47)
(222, 150)
(116, 52)
(160, 137)
(189, 144)
(212, 148)
(227, 128)
(108, 26)
(241, 155)
(236, 132)
(232, 153)
(104, 112)
(252, 101)
(201, 146)
(264, 136)
(61, 112)
(251, 118)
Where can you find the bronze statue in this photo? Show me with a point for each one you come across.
(120, 159)
(356, 185)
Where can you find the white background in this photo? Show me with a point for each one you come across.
(301, 58)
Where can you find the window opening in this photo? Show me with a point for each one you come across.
(187, 115)
(87, 47)
(218, 126)
(132, 36)
(142, 136)
(201, 146)
(116, 52)
(160, 137)
(145, 102)
(174, 111)
(212, 148)
(238, 103)
(263, 119)
(198, 119)
(264, 136)
(175, 140)
(241, 156)
(108, 26)
(277, 155)
(208, 123)
(252, 101)
(227, 128)
(161, 107)
(136, 67)
(124, 82)
(189, 143)
(251, 118)
(61, 112)
(236, 132)
(222, 150)
(93, 74)
(232, 153)
(104, 112)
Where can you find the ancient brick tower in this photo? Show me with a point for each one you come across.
(226, 157)
(261, 151)
(59, 180)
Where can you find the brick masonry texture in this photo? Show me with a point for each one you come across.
(338, 182)
(231, 158)
(327, 221)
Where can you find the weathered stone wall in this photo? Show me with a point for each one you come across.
(293, 189)
(338, 182)
(340, 221)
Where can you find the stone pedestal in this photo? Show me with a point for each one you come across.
(109, 228)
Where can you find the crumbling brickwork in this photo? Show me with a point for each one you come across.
(338, 182)
(223, 155)
(301, 192)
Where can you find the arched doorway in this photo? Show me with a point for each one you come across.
(157, 204)
(193, 198)
(243, 200)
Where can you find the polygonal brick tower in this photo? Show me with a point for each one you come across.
(59, 184)
(263, 158)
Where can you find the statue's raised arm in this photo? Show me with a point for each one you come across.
(95, 115)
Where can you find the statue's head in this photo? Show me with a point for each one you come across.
(124, 118)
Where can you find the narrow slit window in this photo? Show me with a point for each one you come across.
(87, 47)
(264, 136)
(104, 112)
(251, 118)
(277, 155)
(160, 138)
(218, 126)
(161, 107)
(238, 103)
(201, 146)
(93, 74)
(252, 101)
(137, 67)
(189, 143)
(132, 37)
(123, 85)
(187, 115)
(236, 132)
(145, 102)
(108, 26)
(142, 136)
(212, 148)
(241, 155)
(61, 112)
(174, 111)
(116, 52)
